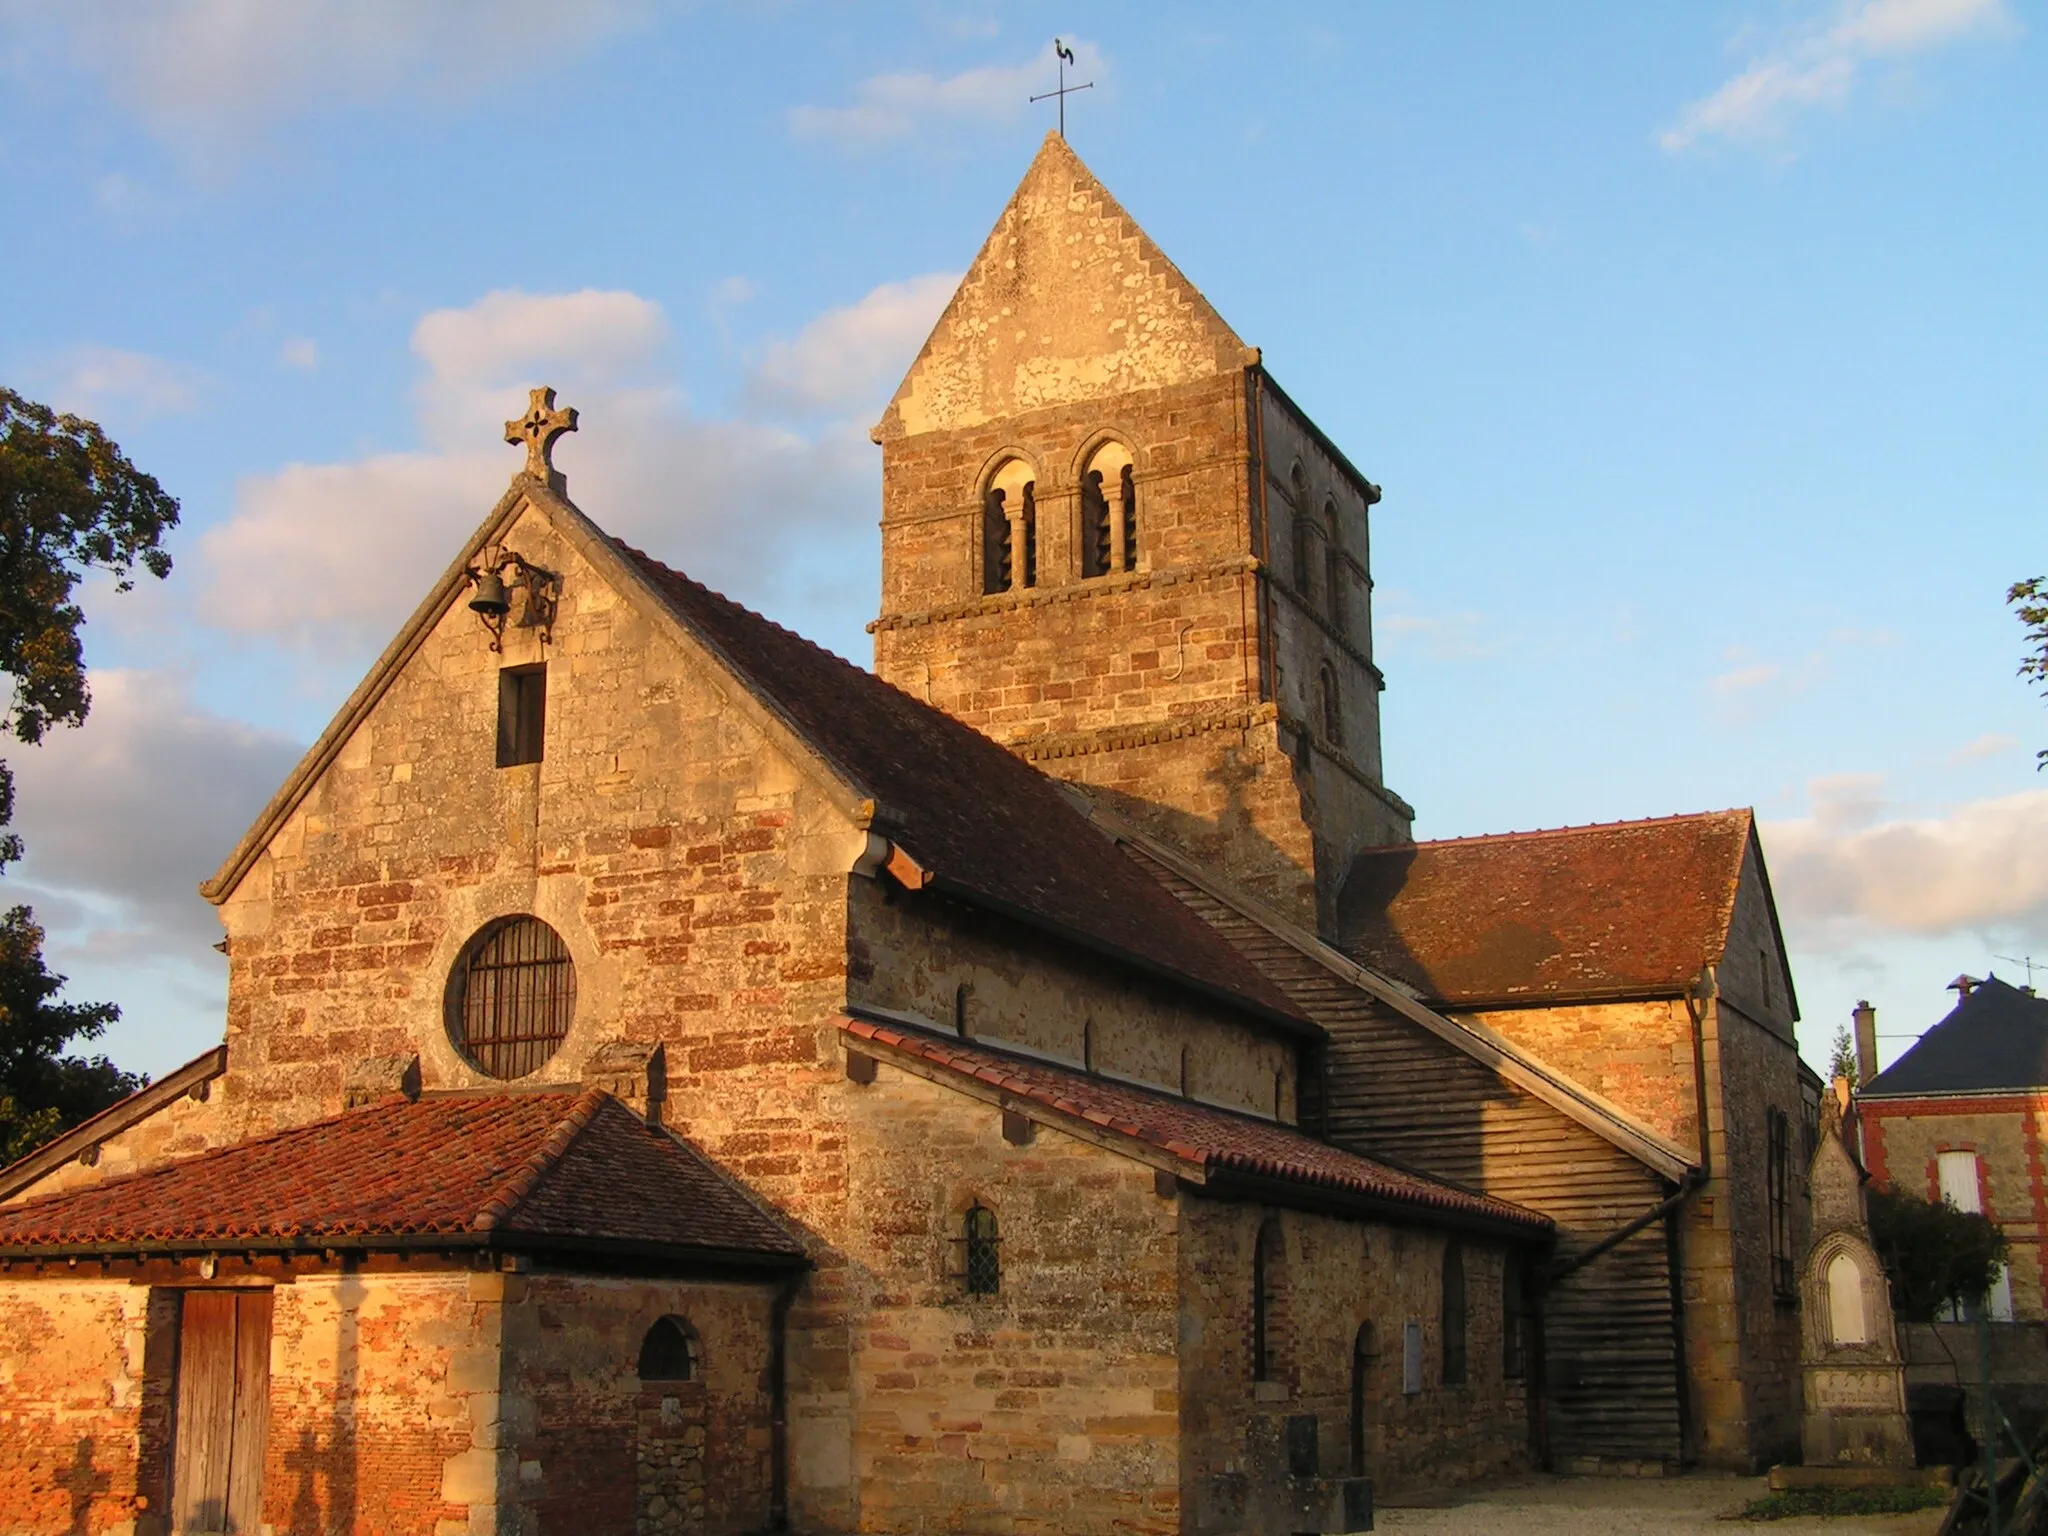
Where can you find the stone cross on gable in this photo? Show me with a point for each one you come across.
(538, 429)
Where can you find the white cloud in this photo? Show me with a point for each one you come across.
(1991, 744)
(847, 357)
(895, 105)
(299, 352)
(203, 73)
(95, 381)
(1820, 66)
(1744, 679)
(125, 815)
(1856, 864)
(341, 552)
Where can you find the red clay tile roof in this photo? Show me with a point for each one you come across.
(1626, 908)
(992, 828)
(1218, 1142)
(512, 1170)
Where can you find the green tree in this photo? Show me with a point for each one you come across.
(1842, 1057)
(1935, 1255)
(71, 505)
(2030, 600)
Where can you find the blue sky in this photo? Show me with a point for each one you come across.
(1699, 350)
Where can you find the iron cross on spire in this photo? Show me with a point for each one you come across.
(538, 429)
(1066, 57)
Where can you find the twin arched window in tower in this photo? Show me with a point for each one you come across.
(1106, 536)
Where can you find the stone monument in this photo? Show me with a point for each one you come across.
(1855, 1385)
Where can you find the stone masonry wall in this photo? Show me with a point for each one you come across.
(1332, 1278)
(179, 1129)
(1638, 1055)
(1050, 1407)
(84, 1410)
(913, 953)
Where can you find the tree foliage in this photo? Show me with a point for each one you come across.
(2029, 600)
(1935, 1255)
(1842, 1057)
(71, 505)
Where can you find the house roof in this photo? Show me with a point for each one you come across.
(1628, 908)
(1206, 1144)
(989, 827)
(574, 1170)
(1993, 1040)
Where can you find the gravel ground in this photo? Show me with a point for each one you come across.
(1615, 1506)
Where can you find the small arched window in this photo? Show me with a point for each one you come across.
(984, 1264)
(512, 996)
(960, 1010)
(1109, 529)
(1265, 1267)
(1183, 1071)
(1361, 1395)
(669, 1352)
(1329, 706)
(1453, 1314)
(1009, 528)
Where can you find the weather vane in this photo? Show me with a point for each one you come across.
(1066, 57)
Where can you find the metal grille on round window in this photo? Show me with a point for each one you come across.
(515, 995)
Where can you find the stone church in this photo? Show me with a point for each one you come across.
(677, 1081)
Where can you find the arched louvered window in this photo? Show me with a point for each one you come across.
(1109, 529)
(512, 997)
(983, 1244)
(1009, 528)
(669, 1352)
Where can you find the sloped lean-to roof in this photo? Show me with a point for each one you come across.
(1216, 1149)
(1995, 1040)
(1617, 910)
(568, 1172)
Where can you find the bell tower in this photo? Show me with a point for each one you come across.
(1112, 543)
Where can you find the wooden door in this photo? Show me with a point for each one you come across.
(223, 1413)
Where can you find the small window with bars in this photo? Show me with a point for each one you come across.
(981, 1252)
(522, 714)
(512, 997)
(1784, 1269)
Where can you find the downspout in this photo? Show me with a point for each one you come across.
(1705, 988)
(1687, 1187)
(778, 1404)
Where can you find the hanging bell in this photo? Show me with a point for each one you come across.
(490, 599)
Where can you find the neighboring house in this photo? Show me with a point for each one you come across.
(1961, 1117)
(674, 1079)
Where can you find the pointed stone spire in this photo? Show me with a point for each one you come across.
(1068, 300)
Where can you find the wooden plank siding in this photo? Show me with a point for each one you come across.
(1390, 1089)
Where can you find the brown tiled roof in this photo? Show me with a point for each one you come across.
(1626, 908)
(576, 1170)
(1215, 1143)
(992, 828)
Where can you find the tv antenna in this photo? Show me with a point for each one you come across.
(1066, 57)
(2027, 961)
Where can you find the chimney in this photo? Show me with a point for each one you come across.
(1964, 985)
(1866, 1041)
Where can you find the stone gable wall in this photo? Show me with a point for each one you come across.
(1638, 1055)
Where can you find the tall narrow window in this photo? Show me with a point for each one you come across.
(1961, 1176)
(1264, 1262)
(1329, 706)
(1009, 529)
(1361, 1396)
(984, 1265)
(1095, 530)
(1453, 1313)
(1304, 561)
(1514, 1319)
(960, 1010)
(995, 541)
(1183, 1071)
(1088, 1045)
(1027, 534)
(1333, 560)
(522, 714)
(1778, 1178)
(512, 997)
(1108, 507)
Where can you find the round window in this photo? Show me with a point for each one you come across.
(512, 996)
